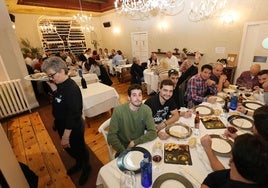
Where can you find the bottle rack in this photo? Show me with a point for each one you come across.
(67, 36)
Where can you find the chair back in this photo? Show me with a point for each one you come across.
(103, 129)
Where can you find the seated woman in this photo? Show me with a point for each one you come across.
(136, 72)
(93, 67)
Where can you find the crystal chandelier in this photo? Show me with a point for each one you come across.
(47, 27)
(148, 7)
(204, 9)
(83, 20)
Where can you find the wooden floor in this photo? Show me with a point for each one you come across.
(94, 140)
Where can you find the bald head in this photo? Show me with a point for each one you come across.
(255, 69)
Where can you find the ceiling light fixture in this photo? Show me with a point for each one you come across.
(83, 20)
(204, 9)
(145, 8)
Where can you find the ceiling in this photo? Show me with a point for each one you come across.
(59, 7)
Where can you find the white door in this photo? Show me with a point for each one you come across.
(251, 50)
(139, 42)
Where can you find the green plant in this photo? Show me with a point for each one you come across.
(95, 44)
(185, 50)
(27, 48)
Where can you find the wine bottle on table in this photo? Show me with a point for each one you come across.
(83, 81)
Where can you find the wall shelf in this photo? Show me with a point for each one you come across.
(68, 36)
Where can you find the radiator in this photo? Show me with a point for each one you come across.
(12, 98)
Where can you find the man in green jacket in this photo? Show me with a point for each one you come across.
(131, 123)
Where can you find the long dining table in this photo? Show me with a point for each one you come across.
(98, 98)
(109, 174)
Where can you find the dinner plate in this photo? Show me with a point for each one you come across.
(29, 77)
(221, 147)
(204, 110)
(172, 180)
(229, 90)
(179, 130)
(130, 159)
(241, 122)
(252, 105)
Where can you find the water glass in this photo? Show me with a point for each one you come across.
(128, 179)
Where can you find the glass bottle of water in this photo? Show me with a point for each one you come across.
(146, 171)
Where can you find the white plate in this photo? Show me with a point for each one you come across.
(220, 145)
(180, 129)
(171, 184)
(242, 123)
(132, 160)
(228, 90)
(204, 110)
(28, 77)
(252, 105)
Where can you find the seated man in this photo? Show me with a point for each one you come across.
(164, 110)
(129, 122)
(218, 77)
(249, 78)
(117, 58)
(136, 72)
(248, 165)
(260, 128)
(260, 92)
(199, 85)
(152, 61)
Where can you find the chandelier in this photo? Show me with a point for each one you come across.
(149, 7)
(83, 20)
(204, 9)
(47, 27)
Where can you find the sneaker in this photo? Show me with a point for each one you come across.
(84, 176)
(76, 168)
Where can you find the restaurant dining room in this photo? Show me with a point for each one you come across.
(105, 68)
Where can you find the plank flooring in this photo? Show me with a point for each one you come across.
(94, 140)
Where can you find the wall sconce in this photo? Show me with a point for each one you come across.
(163, 25)
(228, 17)
(116, 30)
(265, 43)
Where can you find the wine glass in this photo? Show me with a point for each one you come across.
(128, 179)
(157, 153)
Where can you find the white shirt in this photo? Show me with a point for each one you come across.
(173, 61)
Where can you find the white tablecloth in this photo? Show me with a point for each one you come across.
(109, 174)
(120, 67)
(98, 98)
(89, 77)
(151, 80)
(109, 63)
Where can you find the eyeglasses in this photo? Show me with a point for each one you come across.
(52, 75)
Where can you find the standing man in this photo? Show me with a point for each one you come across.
(172, 60)
(130, 121)
(164, 109)
(199, 85)
(67, 111)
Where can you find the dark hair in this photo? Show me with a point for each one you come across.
(132, 87)
(206, 66)
(262, 72)
(119, 52)
(250, 156)
(166, 82)
(260, 117)
(172, 71)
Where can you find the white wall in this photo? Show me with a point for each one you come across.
(203, 36)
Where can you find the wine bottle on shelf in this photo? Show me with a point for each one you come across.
(146, 171)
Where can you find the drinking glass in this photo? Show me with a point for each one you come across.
(128, 179)
(157, 154)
